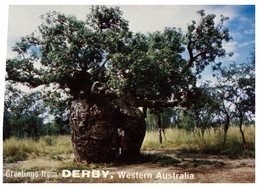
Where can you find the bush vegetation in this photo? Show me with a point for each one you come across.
(176, 139)
(210, 142)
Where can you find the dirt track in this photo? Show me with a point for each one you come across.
(221, 170)
(205, 168)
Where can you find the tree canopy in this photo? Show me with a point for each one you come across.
(72, 55)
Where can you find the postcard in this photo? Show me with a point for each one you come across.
(130, 94)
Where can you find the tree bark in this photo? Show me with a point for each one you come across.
(94, 122)
(241, 130)
(226, 128)
(160, 128)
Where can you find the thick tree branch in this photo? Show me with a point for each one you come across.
(199, 54)
(189, 64)
(192, 57)
(33, 82)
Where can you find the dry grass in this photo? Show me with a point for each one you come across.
(13, 146)
(40, 164)
(59, 148)
(55, 153)
(20, 149)
(181, 139)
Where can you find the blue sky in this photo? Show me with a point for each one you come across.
(23, 20)
(242, 30)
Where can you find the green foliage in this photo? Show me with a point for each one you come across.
(205, 40)
(236, 91)
(23, 116)
(187, 121)
(167, 115)
(202, 109)
(238, 82)
(71, 52)
(22, 113)
(74, 54)
(154, 75)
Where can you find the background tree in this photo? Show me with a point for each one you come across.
(23, 113)
(201, 109)
(237, 84)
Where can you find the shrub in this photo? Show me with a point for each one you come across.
(49, 140)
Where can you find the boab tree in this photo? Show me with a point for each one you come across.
(107, 72)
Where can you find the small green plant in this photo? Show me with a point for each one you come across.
(110, 165)
(52, 156)
(220, 163)
(197, 163)
(171, 161)
(49, 140)
(59, 158)
(164, 160)
(17, 157)
(202, 162)
(96, 166)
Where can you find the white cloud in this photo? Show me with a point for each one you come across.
(231, 47)
(152, 18)
(234, 57)
(244, 19)
(24, 19)
(236, 35)
(246, 43)
(250, 31)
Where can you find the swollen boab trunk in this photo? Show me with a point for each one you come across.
(94, 126)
